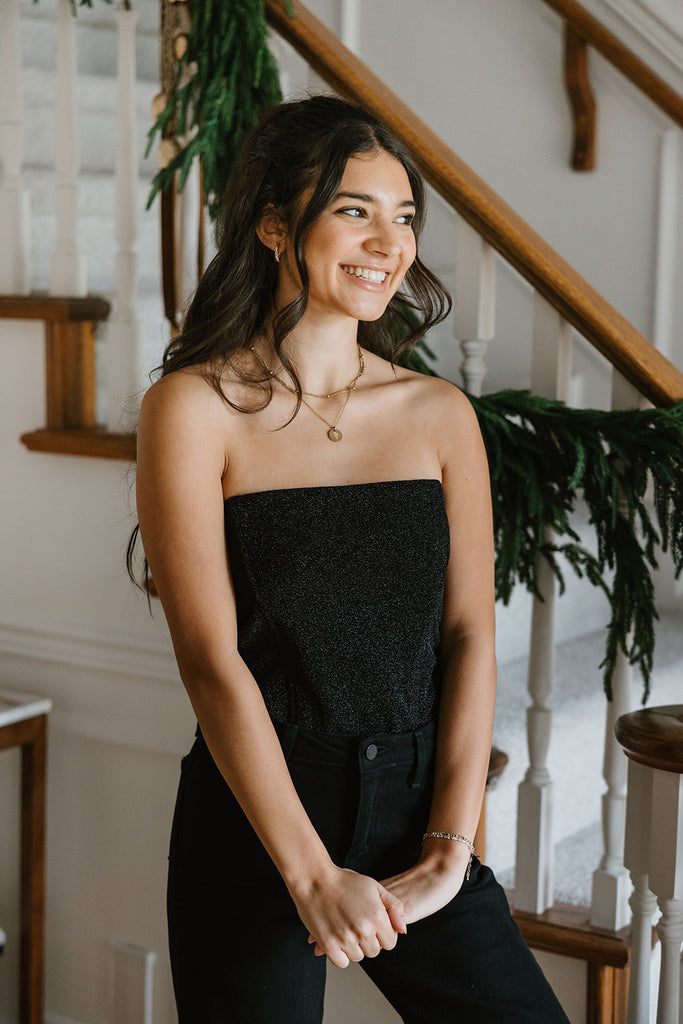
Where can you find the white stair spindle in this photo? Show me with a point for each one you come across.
(123, 337)
(15, 267)
(474, 317)
(611, 882)
(666, 880)
(68, 274)
(551, 374)
(643, 903)
(534, 871)
(349, 24)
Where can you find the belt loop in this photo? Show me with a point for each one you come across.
(420, 759)
(287, 733)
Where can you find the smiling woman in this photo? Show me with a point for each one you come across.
(331, 605)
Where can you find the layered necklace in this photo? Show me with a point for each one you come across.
(333, 431)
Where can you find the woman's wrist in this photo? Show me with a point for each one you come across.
(445, 853)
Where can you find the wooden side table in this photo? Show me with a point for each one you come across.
(23, 722)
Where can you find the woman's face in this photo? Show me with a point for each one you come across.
(358, 250)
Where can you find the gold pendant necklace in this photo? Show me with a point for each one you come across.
(333, 432)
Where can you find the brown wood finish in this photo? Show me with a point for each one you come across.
(602, 40)
(654, 737)
(628, 350)
(31, 735)
(95, 442)
(53, 308)
(70, 374)
(584, 109)
(606, 994)
(566, 931)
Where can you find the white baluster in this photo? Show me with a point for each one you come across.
(68, 274)
(123, 338)
(551, 374)
(474, 317)
(611, 883)
(534, 872)
(643, 903)
(15, 272)
(670, 932)
(666, 880)
(349, 24)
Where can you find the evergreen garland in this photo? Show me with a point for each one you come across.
(628, 465)
(225, 82)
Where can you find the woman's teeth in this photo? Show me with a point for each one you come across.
(377, 276)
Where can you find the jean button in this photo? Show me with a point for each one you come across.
(371, 751)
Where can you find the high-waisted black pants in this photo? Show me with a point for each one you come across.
(239, 952)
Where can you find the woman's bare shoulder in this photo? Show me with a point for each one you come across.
(438, 400)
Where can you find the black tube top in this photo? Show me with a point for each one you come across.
(339, 596)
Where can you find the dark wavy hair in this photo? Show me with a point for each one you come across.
(297, 147)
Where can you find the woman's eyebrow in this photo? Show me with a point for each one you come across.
(364, 198)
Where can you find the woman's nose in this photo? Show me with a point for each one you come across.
(384, 239)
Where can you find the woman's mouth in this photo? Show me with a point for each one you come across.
(375, 276)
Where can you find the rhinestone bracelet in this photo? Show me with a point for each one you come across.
(458, 839)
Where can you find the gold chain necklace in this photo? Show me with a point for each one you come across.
(333, 432)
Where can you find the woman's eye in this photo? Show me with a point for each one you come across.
(406, 218)
(352, 211)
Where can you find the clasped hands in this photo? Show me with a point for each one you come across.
(350, 916)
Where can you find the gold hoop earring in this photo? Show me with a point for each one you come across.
(276, 252)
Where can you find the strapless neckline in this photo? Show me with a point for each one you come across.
(313, 488)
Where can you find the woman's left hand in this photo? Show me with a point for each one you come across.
(431, 883)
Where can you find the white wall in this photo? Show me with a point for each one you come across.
(488, 77)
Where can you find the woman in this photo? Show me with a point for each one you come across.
(317, 521)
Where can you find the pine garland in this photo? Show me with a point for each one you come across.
(225, 82)
(629, 468)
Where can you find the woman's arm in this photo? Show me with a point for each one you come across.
(181, 463)
(468, 665)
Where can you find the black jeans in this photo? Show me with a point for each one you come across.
(239, 952)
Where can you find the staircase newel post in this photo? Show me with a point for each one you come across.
(68, 273)
(15, 265)
(474, 317)
(550, 377)
(611, 883)
(123, 334)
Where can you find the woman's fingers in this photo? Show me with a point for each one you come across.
(395, 909)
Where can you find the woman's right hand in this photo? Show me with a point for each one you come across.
(349, 916)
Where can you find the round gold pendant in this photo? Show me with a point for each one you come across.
(334, 434)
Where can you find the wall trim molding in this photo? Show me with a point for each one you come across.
(649, 27)
(110, 689)
(151, 657)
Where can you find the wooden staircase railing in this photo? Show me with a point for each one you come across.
(551, 276)
(601, 39)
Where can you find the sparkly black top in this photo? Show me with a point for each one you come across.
(339, 596)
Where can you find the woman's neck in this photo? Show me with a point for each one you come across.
(324, 360)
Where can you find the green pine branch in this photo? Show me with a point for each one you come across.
(627, 465)
(224, 83)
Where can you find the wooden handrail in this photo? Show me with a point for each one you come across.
(602, 325)
(602, 40)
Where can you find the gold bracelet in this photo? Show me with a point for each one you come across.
(458, 839)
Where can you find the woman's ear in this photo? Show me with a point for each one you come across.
(271, 229)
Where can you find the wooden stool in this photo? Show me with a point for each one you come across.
(653, 741)
(23, 722)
